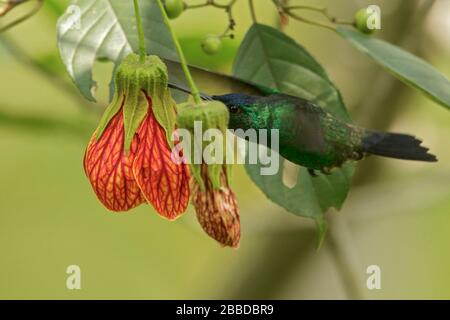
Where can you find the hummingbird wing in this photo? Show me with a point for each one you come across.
(212, 82)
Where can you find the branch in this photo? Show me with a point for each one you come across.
(228, 9)
(252, 10)
(9, 5)
(290, 11)
(12, 4)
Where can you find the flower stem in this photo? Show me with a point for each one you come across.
(289, 11)
(187, 73)
(140, 30)
(252, 11)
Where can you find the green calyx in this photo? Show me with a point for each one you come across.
(211, 115)
(138, 87)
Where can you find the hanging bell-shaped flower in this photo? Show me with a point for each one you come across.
(128, 160)
(212, 197)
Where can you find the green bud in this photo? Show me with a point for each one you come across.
(361, 19)
(212, 115)
(174, 8)
(211, 44)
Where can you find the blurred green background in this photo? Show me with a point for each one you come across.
(397, 215)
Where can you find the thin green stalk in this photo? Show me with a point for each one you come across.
(187, 73)
(252, 11)
(140, 30)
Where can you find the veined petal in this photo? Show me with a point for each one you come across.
(217, 210)
(164, 183)
(109, 169)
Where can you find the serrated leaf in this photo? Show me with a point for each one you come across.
(272, 59)
(404, 65)
(107, 30)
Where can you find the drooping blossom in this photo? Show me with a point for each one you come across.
(217, 209)
(214, 201)
(128, 160)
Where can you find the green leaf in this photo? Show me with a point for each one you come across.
(272, 59)
(404, 65)
(107, 31)
(55, 7)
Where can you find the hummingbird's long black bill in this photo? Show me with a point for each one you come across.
(204, 96)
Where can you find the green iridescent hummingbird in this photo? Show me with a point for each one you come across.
(308, 135)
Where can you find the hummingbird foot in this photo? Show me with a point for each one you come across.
(326, 170)
(357, 155)
(312, 173)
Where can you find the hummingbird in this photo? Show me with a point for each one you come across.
(309, 135)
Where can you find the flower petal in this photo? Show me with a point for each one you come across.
(164, 183)
(217, 210)
(109, 169)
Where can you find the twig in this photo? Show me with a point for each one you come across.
(290, 11)
(33, 11)
(322, 11)
(140, 31)
(308, 21)
(8, 5)
(231, 24)
(228, 9)
(283, 17)
(211, 3)
(252, 10)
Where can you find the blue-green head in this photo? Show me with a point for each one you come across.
(243, 109)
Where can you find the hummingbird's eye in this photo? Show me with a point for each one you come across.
(234, 109)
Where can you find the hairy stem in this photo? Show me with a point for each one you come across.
(184, 65)
(140, 30)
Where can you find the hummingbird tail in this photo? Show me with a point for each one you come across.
(395, 145)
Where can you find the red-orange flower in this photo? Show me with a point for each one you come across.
(125, 174)
(217, 209)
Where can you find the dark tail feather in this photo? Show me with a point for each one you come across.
(395, 145)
